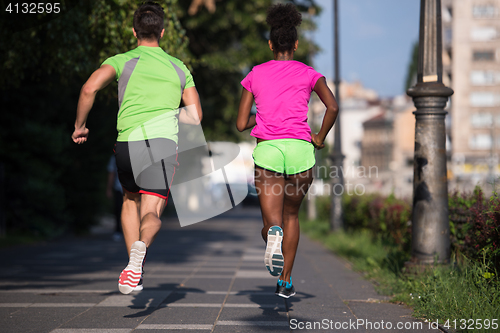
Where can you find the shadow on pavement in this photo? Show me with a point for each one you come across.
(299, 297)
(153, 299)
(92, 261)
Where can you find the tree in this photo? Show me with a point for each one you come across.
(76, 40)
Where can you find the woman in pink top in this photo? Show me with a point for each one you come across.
(284, 156)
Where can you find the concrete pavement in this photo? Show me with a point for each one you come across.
(208, 277)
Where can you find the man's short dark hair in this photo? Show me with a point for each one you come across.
(148, 21)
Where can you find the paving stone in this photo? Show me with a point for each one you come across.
(37, 320)
(192, 315)
(221, 284)
(182, 297)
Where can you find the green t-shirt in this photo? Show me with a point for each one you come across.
(150, 86)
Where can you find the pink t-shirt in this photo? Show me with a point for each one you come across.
(281, 89)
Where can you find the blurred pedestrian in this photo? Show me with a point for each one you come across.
(114, 193)
(284, 155)
(151, 85)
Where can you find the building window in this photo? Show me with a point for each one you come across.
(448, 14)
(448, 35)
(484, 78)
(484, 11)
(482, 34)
(484, 99)
(483, 55)
(480, 142)
(481, 120)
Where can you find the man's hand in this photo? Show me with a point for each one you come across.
(317, 143)
(189, 115)
(80, 135)
(192, 113)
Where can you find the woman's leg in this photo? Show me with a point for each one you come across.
(295, 189)
(270, 190)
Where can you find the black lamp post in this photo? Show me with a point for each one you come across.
(336, 214)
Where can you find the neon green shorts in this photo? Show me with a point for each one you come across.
(287, 156)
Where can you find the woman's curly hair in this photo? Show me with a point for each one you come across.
(283, 19)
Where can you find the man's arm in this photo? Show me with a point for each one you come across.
(97, 81)
(191, 113)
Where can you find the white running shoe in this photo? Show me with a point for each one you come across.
(132, 274)
(139, 286)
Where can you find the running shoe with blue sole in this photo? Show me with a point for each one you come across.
(285, 289)
(273, 257)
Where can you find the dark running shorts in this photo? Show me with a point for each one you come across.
(146, 166)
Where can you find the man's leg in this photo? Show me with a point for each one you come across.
(131, 222)
(151, 208)
(139, 234)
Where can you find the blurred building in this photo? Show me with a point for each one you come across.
(404, 146)
(358, 104)
(377, 146)
(471, 61)
(377, 140)
(388, 145)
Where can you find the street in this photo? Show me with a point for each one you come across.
(208, 277)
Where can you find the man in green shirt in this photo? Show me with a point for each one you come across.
(151, 86)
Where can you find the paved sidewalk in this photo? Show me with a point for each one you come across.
(208, 277)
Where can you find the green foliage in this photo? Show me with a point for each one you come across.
(377, 238)
(474, 221)
(387, 219)
(75, 41)
(114, 18)
(475, 225)
(467, 291)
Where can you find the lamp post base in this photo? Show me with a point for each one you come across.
(415, 267)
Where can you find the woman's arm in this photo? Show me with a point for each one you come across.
(332, 111)
(245, 120)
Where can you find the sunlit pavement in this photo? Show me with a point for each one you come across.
(208, 277)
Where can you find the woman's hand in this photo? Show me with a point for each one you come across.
(317, 143)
